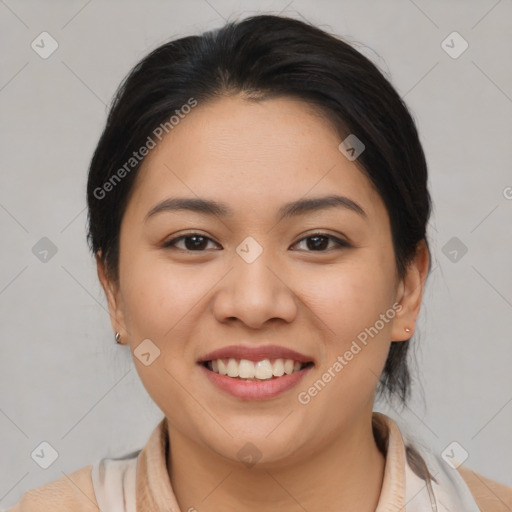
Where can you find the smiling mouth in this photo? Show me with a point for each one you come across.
(246, 370)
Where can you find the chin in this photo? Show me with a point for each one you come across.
(257, 442)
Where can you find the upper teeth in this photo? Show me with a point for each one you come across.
(245, 369)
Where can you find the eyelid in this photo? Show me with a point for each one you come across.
(170, 244)
(340, 243)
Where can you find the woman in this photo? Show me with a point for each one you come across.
(258, 206)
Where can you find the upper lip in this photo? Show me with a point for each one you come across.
(256, 353)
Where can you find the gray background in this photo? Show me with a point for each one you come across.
(63, 378)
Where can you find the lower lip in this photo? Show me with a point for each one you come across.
(255, 390)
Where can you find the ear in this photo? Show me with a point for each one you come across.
(410, 294)
(113, 295)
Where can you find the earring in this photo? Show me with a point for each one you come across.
(407, 329)
(118, 338)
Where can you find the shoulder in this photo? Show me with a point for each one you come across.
(72, 492)
(490, 496)
(460, 487)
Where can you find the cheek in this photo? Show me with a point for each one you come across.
(354, 302)
(160, 297)
(162, 303)
(350, 297)
(167, 303)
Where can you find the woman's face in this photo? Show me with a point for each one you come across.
(253, 283)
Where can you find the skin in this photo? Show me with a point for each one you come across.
(254, 157)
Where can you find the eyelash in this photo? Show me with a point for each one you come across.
(341, 244)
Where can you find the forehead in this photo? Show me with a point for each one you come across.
(252, 154)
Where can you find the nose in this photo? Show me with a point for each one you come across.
(255, 293)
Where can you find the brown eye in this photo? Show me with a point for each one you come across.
(193, 242)
(319, 242)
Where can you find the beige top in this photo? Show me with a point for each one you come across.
(139, 482)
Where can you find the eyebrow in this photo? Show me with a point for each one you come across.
(292, 209)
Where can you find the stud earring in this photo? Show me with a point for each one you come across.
(407, 329)
(118, 338)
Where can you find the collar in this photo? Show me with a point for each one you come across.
(139, 481)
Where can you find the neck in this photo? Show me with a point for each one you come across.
(348, 472)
